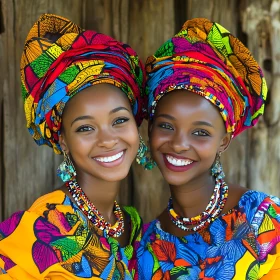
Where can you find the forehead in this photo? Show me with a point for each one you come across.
(186, 104)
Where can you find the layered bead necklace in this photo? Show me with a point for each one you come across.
(212, 211)
(93, 214)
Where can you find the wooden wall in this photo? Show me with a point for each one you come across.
(28, 171)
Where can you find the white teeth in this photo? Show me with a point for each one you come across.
(110, 159)
(178, 162)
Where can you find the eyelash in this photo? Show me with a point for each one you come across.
(166, 126)
(202, 133)
(120, 121)
(84, 128)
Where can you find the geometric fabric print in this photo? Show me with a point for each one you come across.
(41, 65)
(271, 211)
(54, 51)
(67, 246)
(253, 271)
(43, 255)
(167, 48)
(266, 225)
(69, 74)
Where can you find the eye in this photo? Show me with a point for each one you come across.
(166, 126)
(120, 121)
(201, 133)
(84, 128)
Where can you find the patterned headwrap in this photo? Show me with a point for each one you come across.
(206, 59)
(59, 60)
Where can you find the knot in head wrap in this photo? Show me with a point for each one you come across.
(206, 59)
(59, 60)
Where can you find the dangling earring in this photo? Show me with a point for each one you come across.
(66, 170)
(143, 156)
(217, 169)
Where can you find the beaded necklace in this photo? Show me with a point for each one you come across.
(93, 214)
(212, 211)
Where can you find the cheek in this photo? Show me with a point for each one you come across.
(80, 143)
(157, 139)
(130, 135)
(207, 148)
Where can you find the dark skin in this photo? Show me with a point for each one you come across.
(98, 125)
(188, 127)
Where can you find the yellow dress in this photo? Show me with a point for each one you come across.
(54, 241)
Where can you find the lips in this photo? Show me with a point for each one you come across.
(177, 164)
(111, 159)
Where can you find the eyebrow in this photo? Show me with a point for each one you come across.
(166, 116)
(118, 109)
(82, 118)
(203, 123)
(86, 117)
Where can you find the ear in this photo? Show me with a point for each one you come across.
(225, 142)
(62, 143)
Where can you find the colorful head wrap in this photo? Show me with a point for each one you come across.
(206, 59)
(59, 60)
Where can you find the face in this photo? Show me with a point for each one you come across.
(186, 134)
(100, 133)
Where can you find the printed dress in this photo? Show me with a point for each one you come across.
(235, 246)
(54, 241)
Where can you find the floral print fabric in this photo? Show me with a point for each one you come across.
(53, 240)
(236, 245)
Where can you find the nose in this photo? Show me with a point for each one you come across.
(107, 140)
(180, 143)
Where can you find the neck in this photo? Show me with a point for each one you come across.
(101, 193)
(192, 198)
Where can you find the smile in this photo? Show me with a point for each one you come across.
(178, 162)
(111, 158)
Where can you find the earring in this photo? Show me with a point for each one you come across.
(66, 170)
(143, 156)
(217, 169)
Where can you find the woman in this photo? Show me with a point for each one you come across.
(204, 89)
(83, 96)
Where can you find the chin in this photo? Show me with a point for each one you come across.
(174, 180)
(115, 176)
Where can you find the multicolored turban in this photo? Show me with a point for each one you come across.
(59, 60)
(206, 59)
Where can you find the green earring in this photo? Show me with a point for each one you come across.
(143, 156)
(66, 170)
(217, 169)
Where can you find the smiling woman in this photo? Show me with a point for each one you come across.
(204, 89)
(83, 96)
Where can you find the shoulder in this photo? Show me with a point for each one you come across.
(49, 200)
(37, 210)
(51, 212)
(250, 202)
